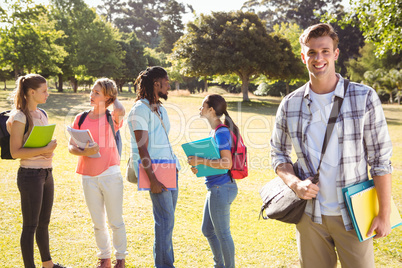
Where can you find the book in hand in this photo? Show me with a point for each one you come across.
(205, 148)
(165, 173)
(362, 203)
(40, 136)
(81, 137)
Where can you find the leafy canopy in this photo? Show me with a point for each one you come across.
(380, 21)
(234, 43)
(28, 38)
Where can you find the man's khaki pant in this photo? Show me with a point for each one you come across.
(319, 244)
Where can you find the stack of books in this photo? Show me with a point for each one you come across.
(362, 203)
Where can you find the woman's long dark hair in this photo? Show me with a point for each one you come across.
(20, 94)
(219, 104)
(146, 80)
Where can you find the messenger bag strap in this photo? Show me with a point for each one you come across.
(163, 125)
(336, 109)
(157, 114)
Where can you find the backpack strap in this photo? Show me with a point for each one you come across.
(108, 117)
(110, 120)
(235, 140)
(233, 148)
(27, 123)
(43, 111)
(26, 126)
(82, 118)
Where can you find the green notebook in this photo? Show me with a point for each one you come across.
(40, 136)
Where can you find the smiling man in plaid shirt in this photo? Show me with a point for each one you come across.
(360, 139)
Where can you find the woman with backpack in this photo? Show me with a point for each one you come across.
(101, 177)
(222, 189)
(34, 178)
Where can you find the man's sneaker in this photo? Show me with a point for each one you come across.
(120, 263)
(104, 263)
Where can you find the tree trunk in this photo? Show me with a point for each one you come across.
(120, 83)
(399, 97)
(390, 98)
(5, 84)
(205, 85)
(17, 72)
(287, 88)
(60, 88)
(74, 84)
(244, 87)
(177, 85)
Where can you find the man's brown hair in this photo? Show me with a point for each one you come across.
(319, 30)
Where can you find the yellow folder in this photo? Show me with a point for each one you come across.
(365, 207)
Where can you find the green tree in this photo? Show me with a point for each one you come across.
(111, 8)
(99, 50)
(175, 76)
(156, 58)
(92, 43)
(306, 13)
(356, 67)
(380, 21)
(143, 17)
(28, 38)
(153, 21)
(233, 43)
(134, 60)
(171, 28)
(350, 42)
(5, 75)
(393, 82)
(302, 12)
(297, 72)
(72, 16)
(396, 77)
(384, 82)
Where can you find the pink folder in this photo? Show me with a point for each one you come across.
(165, 172)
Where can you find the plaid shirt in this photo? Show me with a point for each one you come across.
(362, 134)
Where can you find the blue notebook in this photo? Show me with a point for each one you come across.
(206, 148)
(362, 196)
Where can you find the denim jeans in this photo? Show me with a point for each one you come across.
(216, 223)
(164, 206)
(36, 188)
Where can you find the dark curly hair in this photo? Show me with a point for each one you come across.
(145, 82)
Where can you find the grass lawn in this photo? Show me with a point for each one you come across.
(258, 243)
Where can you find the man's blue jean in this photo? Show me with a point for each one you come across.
(216, 223)
(164, 206)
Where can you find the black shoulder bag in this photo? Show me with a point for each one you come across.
(279, 201)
